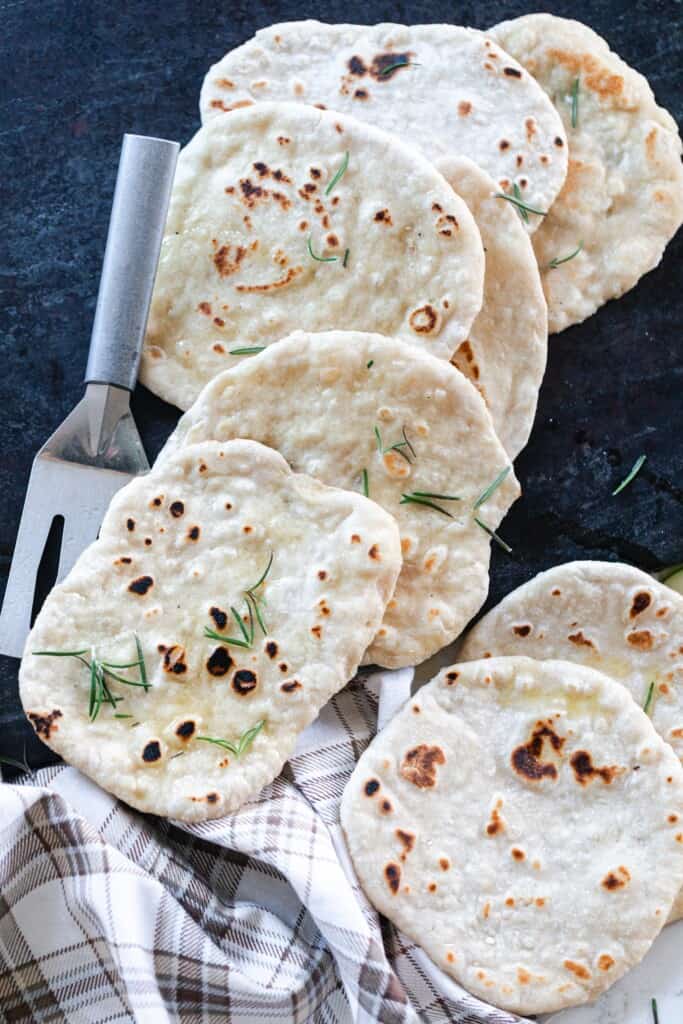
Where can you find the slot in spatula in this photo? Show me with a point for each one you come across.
(97, 449)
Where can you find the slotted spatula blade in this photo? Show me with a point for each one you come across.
(97, 449)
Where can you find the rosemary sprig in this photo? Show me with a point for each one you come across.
(253, 602)
(575, 102)
(558, 261)
(488, 491)
(492, 533)
(655, 1012)
(122, 716)
(399, 64)
(635, 469)
(346, 257)
(419, 499)
(339, 174)
(99, 671)
(370, 363)
(516, 200)
(247, 350)
(366, 484)
(397, 447)
(245, 740)
(647, 706)
(320, 259)
(437, 497)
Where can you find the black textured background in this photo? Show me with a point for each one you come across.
(75, 76)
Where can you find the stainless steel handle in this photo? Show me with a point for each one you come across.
(136, 227)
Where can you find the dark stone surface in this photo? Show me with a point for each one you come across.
(75, 76)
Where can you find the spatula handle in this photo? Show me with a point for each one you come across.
(136, 227)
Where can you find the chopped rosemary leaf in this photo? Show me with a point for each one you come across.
(488, 491)
(517, 193)
(635, 469)
(62, 654)
(559, 260)
(211, 634)
(437, 497)
(655, 1012)
(341, 171)
(399, 64)
(249, 350)
(416, 499)
(262, 576)
(369, 364)
(523, 207)
(575, 103)
(245, 740)
(320, 259)
(122, 716)
(366, 485)
(346, 257)
(492, 533)
(397, 447)
(647, 706)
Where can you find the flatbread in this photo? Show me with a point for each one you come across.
(505, 354)
(521, 821)
(623, 197)
(459, 95)
(319, 399)
(177, 549)
(255, 209)
(604, 614)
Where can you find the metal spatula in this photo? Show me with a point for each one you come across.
(97, 448)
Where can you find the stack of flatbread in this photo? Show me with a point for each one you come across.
(368, 239)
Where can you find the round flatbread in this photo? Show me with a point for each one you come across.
(523, 822)
(175, 703)
(285, 217)
(346, 406)
(623, 197)
(449, 90)
(505, 353)
(604, 614)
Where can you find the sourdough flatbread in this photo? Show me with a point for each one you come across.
(505, 353)
(319, 399)
(604, 614)
(449, 90)
(623, 197)
(523, 822)
(284, 217)
(177, 549)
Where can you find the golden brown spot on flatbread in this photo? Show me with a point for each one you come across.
(290, 686)
(193, 533)
(176, 509)
(44, 723)
(227, 260)
(416, 709)
(642, 639)
(317, 631)
(432, 887)
(503, 145)
(374, 553)
(130, 525)
(224, 83)
(220, 105)
(322, 575)
(496, 825)
(450, 957)
(361, 94)
(384, 217)
(605, 962)
(392, 874)
(419, 765)
(517, 854)
(204, 307)
(580, 640)
(594, 75)
(219, 322)
(355, 539)
(407, 840)
(219, 617)
(641, 601)
(672, 819)
(444, 863)
(616, 879)
(539, 901)
(530, 126)
(424, 320)
(585, 771)
(151, 752)
(386, 807)
(282, 282)
(141, 585)
(523, 976)
(271, 649)
(578, 969)
(185, 730)
(522, 630)
(464, 108)
(526, 759)
(244, 681)
(556, 592)
(219, 662)
(174, 659)
(511, 72)
(371, 787)
(452, 678)
(486, 910)
(509, 902)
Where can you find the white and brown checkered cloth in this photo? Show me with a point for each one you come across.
(110, 915)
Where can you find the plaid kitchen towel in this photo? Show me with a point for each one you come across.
(110, 915)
